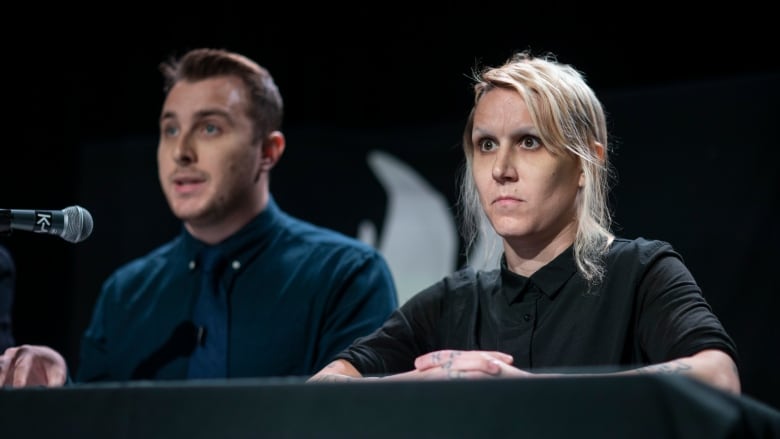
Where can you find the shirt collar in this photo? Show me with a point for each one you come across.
(245, 238)
(549, 279)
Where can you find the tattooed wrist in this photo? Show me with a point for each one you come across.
(670, 368)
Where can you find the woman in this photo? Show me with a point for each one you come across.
(569, 296)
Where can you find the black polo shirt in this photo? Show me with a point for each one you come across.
(648, 309)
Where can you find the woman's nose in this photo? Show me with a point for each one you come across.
(503, 167)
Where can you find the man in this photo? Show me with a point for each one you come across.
(285, 296)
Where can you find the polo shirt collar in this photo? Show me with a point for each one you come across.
(548, 279)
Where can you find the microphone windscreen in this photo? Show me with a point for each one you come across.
(78, 224)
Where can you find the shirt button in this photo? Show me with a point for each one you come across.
(236, 265)
(191, 265)
(527, 317)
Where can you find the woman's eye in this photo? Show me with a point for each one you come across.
(530, 142)
(486, 145)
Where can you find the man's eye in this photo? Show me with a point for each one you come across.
(210, 129)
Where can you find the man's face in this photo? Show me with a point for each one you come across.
(207, 164)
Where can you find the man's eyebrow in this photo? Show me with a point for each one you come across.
(198, 114)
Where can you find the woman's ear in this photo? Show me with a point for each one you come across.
(599, 150)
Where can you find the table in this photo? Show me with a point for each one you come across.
(631, 406)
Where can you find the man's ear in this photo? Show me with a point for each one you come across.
(271, 150)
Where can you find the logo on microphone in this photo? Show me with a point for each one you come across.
(42, 222)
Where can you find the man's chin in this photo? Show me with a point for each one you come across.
(188, 214)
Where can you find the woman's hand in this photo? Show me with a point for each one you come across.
(450, 364)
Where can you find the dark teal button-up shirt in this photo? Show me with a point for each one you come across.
(298, 294)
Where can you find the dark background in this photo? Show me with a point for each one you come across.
(692, 100)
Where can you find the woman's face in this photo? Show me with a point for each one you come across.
(528, 193)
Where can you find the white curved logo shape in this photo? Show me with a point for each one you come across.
(419, 238)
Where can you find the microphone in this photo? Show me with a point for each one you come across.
(73, 224)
